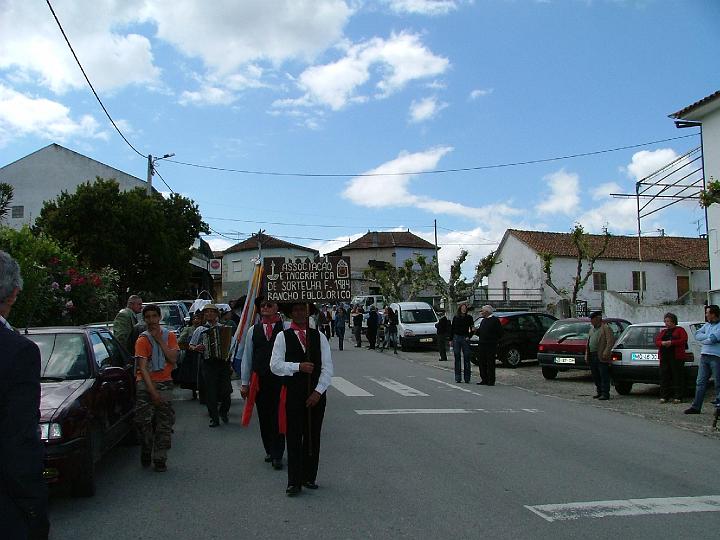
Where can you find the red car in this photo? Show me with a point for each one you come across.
(563, 345)
(87, 401)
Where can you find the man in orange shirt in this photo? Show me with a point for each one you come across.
(157, 350)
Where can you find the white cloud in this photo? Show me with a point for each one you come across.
(207, 95)
(425, 109)
(647, 162)
(398, 60)
(219, 244)
(25, 115)
(564, 196)
(480, 92)
(32, 48)
(604, 190)
(423, 7)
(619, 215)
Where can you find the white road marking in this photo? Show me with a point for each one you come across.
(348, 388)
(627, 507)
(454, 386)
(398, 387)
(439, 411)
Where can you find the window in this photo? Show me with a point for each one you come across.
(600, 281)
(636, 281)
(116, 354)
(237, 266)
(505, 291)
(527, 323)
(18, 212)
(545, 322)
(102, 356)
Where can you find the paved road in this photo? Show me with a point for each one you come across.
(414, 456)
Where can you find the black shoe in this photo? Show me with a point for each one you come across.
(277, 464)
(268, 458)
(214, 423)
(597, 396)
(603, 398)
(489, 384)
(310, 485)
(160, 465)
(291, 491)
(145, 458)
(395, 352)
(481, 382)
(458, 382)
(692, 410)
(225, 419)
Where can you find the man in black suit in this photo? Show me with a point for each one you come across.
(23, 492)
(489, 332)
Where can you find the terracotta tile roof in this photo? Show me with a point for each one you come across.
(704, 101)
(375, 240)
(686, 252)
(267, 242)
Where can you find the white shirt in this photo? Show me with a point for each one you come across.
(6, 324)
(280, 367)
(247, 356)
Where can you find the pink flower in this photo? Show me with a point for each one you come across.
(68, 288)
(55, 286)
(69, 304)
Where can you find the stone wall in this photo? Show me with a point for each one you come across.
(615, 305)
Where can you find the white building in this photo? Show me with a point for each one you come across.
(673, 269)
(238, 263)
(706, 112)
(44, 174)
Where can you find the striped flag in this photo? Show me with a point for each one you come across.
(248, 316)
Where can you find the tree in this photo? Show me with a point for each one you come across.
(405, 282)
(457, 289)
(6, 195)
(588, 248)
(147, 238)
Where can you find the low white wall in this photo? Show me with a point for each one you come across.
(615, 305)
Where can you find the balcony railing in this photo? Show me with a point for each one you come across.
(509, 298)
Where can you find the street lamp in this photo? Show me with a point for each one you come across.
(151, 169)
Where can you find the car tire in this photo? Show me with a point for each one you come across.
(623, 387)
(511, 358)
(549, 372)
(84, 483)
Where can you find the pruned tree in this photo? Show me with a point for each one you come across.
(6, 195)
(586, 251)
(457, 289)
(405, 282)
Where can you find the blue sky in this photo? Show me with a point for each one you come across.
(384, 87)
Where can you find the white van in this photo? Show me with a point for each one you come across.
(369, 300)
(416, 324)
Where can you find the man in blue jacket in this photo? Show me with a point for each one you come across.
(709, 337)
(23, 493)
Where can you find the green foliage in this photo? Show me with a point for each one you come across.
(457, 288)
(6, 195)
(405, 282)
(56, 289)
(147, 238)
(711, 193)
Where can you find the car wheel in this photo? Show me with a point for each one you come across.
(511, 358)
(623, 387)
(549, 372)
(84, 483)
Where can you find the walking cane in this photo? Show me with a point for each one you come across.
(309, 375)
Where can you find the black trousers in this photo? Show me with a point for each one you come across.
(443, 346)
(371, 335)
(600, 374)
(303, 439)
(267, 403)
(216, 374)
(357, 331)
(672, 378)
(486, 362)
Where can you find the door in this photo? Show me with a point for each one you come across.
(531, 334)
(683, 285)
(107, 412)
(125, 384)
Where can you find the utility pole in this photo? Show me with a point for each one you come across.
(150, 173)
(437, 259)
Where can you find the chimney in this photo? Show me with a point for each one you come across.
(375, 242)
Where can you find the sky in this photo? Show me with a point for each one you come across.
(379, 93)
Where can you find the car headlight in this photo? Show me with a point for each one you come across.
(408, 333)
(50, 431)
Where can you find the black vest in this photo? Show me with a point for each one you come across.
(297, 384)
(262, 348)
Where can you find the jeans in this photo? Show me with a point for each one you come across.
(708, 364)
(600, 373)
(462, 344)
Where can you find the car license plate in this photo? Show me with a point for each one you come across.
(426, 340)
(562, 360)
(644, 356)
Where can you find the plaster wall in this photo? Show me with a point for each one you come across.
(614, 305)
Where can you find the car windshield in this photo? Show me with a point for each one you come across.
(640, 337)
(62, 356)
(563, 330)
(170, 315)
(418, 316)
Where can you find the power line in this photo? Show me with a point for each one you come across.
(163, 180)
(90, 84)
(307, 224)
(436, 171)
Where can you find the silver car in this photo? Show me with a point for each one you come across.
(635, 356)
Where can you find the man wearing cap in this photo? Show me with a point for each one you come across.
(255, 372)
(302, 355)
(489, 333)
(216, 370)
(598, 354)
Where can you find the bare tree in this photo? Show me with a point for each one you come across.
(457, 289)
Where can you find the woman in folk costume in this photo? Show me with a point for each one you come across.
(261, 385)
(302, 355)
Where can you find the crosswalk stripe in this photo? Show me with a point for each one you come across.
(441, 411)
(349, 389)
(454, 386)
(398, 387)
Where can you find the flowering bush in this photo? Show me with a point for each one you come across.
(57, 290)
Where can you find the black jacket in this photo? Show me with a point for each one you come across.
(489, 330)
(443, 327)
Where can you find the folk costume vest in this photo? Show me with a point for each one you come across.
(297, 386)
(262, 347)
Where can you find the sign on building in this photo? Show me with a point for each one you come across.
(215, 267)
(322, 280)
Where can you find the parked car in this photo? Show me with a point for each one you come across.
(563, 346)
(174, 315)
(416, 324)
(87, 401)
(635, 356)
(522, 331)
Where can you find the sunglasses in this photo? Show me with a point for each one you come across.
(267, 304)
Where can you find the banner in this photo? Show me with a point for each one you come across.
(322, 280)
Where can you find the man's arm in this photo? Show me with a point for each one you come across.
(278, 365)
(326, 373)
(122, 327)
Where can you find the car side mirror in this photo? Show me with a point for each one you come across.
(111, 373)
